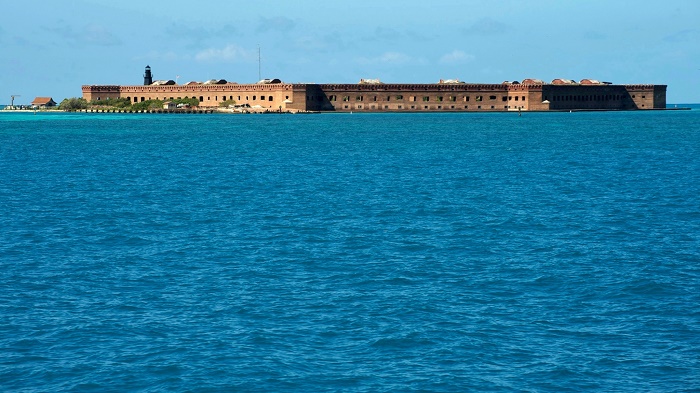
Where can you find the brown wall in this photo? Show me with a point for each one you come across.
(94, 93)
(524, 97)
(405, 97)
(563, 97)
(605, 97)
(401, 97)
(270, 96)
(660, 96)
(647, 96)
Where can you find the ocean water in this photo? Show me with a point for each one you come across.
(551, 252)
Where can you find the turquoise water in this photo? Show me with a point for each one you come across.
(553, 252)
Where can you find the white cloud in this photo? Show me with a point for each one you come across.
(688, 35)
(92, 34)
(594, 35)
(160, 55)
(386, 58)
(279, 23)
(394, 58)
(456, 57)
(229, 53)
(310, 43)
(487, 26)
(100, 35)
(196, 34)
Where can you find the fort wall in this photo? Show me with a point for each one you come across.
(409, 97)
(443, 97)
(277, 96)
(563, 97)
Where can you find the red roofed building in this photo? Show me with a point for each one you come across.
(44, 102)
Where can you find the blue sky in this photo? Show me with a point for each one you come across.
(52, 48)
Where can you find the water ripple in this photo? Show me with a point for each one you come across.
(460, 252)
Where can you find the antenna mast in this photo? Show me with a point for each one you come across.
(259, 61)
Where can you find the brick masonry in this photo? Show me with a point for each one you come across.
(400, 97)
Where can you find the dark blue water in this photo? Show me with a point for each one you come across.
(553, 252)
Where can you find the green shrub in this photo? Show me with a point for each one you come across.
(147, 105)
(71, 104)
(188, 101)
(113, 102)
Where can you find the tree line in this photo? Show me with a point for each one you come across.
(72, 104)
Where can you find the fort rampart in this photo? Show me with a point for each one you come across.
(379, 97)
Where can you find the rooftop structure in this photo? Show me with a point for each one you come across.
(43, 102)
